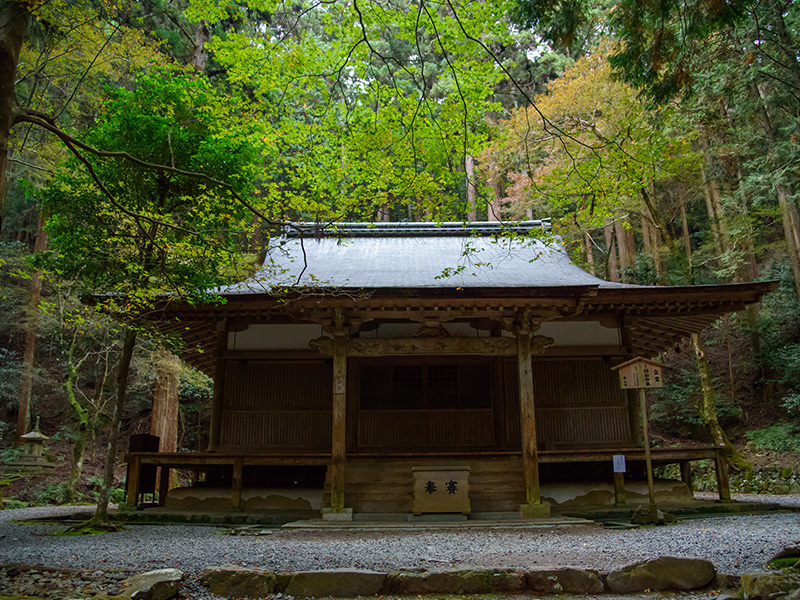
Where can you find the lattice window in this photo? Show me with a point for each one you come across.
(425, 386)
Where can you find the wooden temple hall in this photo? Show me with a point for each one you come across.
(412, 368)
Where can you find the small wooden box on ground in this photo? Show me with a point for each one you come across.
(441, 490)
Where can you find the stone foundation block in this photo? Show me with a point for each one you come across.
(534, 511)
(564, 581)
(234, 581)
(663, 573)
(723, 581)
(337, 514)
(454, 581)
(347, 583)
(763, 586)
(153, 585)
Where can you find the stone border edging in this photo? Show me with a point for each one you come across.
(663, 573)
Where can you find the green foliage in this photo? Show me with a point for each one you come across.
(195, 391)
(369, 106)
(782, 437)
(644, 273)
(791, 402)
(10, 454)
(570, 24)
(674, 408)
(116, 496)
(152, 231)
(784, 563)
(662, 42)
(10, 369)
(780, 334)
(20, 213)
(53, 492)
(194, 386)
(14, 276)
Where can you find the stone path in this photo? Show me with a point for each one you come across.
(95, 564)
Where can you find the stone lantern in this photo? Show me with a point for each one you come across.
(33, 458)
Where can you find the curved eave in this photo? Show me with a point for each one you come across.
(660, 317)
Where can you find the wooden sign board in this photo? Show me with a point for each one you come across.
(640, 373)
(444, 490)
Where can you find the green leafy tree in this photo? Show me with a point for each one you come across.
(610, 155)
(136, 231)
(371, 104)
(736, 65)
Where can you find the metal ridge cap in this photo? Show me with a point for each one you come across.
(425, 228)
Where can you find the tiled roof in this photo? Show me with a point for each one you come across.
(419, 255)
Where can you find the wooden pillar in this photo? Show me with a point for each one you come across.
(337, 510)
(339, 418)
(619, 489)
(686, 474)
(219, 383)
(647, 459)
(236, 485)
(723, 485)
(163, 485)
(634, 416)
(533, 507)
(134, 468)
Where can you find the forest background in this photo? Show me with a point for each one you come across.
(157, 147)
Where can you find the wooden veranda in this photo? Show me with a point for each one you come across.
(237, 462)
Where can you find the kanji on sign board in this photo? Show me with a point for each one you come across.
(441, 490)
(639, 373)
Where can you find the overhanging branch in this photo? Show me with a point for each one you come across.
(46, 122)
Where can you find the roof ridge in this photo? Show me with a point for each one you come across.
(415, 229)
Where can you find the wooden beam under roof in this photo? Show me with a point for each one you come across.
(661, 316)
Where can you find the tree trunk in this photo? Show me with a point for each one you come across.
(708, 405)
(81, 416)
(687, 242)
(713, 199)
(100, 518)
(627, 249)
(472, 209)
(589, 245)
(383, 214)
(662, 232)
(202, 36)
(497, 196)
(29, 353)
(13, 27)
(164, 416)
(789, 213)
(611, 250)
(652, 247)
(726, 320)
(76, 469)
(791, 225)
(256, 242)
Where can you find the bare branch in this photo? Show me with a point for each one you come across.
(86, 71)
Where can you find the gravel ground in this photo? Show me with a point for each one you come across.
(734, 543)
